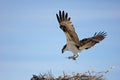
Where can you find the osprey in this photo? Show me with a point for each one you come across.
(73, 43)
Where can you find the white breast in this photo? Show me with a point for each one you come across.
(72, 48)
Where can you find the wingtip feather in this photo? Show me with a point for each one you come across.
(101, 33)
(58, 18)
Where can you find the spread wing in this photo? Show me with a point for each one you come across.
(67, 27)
(89, 42)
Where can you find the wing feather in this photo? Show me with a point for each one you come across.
(67, 27)
(89, 42)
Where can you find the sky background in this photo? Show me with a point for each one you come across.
(31, 40)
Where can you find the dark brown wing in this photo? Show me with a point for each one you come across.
(67, 27)
(89, 42)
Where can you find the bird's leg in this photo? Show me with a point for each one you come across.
(70, 57)
(76, 56)
(73, 57)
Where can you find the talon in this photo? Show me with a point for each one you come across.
(70, 57)
(74, 58)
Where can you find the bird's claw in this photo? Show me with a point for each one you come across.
(72, 57)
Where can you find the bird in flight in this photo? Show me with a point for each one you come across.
(73, 43)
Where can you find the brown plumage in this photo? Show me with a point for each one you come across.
(67, 27)
(73, 43)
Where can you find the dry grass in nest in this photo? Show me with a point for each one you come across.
(89, 75)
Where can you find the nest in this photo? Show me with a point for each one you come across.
(75, 76)
(89, 75)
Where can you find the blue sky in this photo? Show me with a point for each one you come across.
(31, 40)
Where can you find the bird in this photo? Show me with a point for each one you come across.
(74, 44)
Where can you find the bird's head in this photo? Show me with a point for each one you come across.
(64, 48)
(63, 51)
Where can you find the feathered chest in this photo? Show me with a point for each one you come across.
(72, 47)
